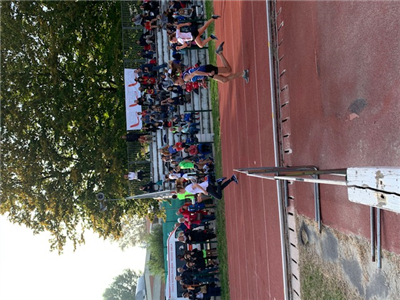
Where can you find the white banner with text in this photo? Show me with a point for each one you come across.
(132, 93)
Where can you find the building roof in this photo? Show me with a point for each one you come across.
(141, 286)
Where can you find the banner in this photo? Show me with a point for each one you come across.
(171, 290)
(132, 93)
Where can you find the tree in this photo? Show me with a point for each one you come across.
(123, 287)
(62, 118)
(156, 248)
(133, 232)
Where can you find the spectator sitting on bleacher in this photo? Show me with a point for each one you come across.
(174, 175)
(194, 86)
(175, 162)
(174, 65)
(149, 187)
(137, 19)
(148, 47)
(165, 21)
(145, 39)
(150, 127)
(191, 150)
(150, 6)
(146, 139)
(176, 148)
(179, 100)
(170, 16)
(202, 149)
(188, 164)
(146, 54)
(187, 12)
(165, 150)
(146, 90)
(164, 82)
(160, 124)
(188, 128)
(168, 158)
(149, 68)
(174, 89)
(147, 81)
(176, 5)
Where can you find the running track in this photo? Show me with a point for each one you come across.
(255, 269)
(335, 53)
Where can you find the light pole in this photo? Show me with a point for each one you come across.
(102, 198)
(102, 201)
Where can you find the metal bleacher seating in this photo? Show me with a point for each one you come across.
(199, 102)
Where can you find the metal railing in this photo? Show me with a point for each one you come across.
(130, 35)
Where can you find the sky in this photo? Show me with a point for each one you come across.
(28, 270)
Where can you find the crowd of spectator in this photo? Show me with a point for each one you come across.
(164, 88)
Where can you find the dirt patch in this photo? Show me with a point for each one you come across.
(334, 265)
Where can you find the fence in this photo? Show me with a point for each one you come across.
(130, 34)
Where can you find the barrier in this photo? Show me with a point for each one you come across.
(377, 187)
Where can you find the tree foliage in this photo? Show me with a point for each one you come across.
(62, 118)
(123, 287)
(156, 248)
(133, 232)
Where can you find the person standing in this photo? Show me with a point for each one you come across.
(213, 189)
(139, 175)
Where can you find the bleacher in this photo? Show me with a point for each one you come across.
(199, 102)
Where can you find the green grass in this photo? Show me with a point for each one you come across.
(220, 213)
(316, 285)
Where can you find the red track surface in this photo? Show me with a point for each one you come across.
(334, 53)
(246, 130)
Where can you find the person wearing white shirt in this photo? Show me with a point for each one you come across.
(194, 35)
(209, 188)
(139, 175)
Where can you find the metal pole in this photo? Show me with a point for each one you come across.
(298, 171)
(274, 169)
(378, 236)
(277, 160)
(372, 225)
(286, 193)
(317, 203)
(314, 180)
(336, 172)
(198, 110)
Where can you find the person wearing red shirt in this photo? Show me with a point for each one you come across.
(179, 146)
(194, 218)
